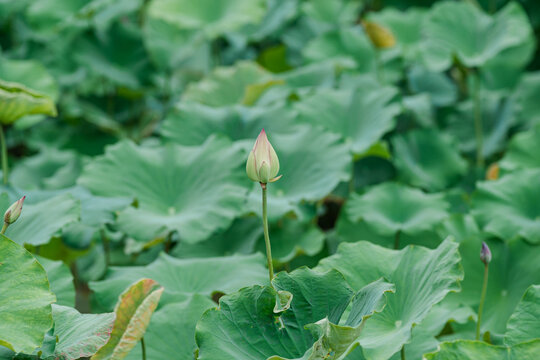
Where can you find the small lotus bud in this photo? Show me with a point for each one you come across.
(262, 164)
(14, 211)
(493, 172)
(485, 254)
(379, 35)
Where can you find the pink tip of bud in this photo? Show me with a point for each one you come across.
(485, 254)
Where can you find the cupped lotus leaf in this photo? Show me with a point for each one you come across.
(80, 335)
(465, 31)
(25, 299)
(17, 101)
(226, 85)
(39, 221)
(523, 150)
(392, 207)
(60, 280)
(513, 268)
(313, 162)
(510, 206)
(188, 276)
(245, 326)
(524, 324)
(422, 278)
(192, 190)
(171, 325)
(474, 350)
(428, 159)
(133, 312)
(361, 116)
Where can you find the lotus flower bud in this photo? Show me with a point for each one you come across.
(14, 211)
(262, 164)
(485, 254)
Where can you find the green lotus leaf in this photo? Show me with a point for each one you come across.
(80, 335)
(171, 325)
(391, 207)
(133, 312)
(50, 169)
(61, 281)
(31, 74)
(226, 85)
(187, 276)
(526, 93)
(523, 325)
(39, 221)
(509, 206)
(25, 299)
(473, 350)
(331, 13)
(512, 270)
(427, 159)
(422, 278)
(465, 31)
(313, 162)
(497, 116)
(192, 190)
(17, 101)
(192, 123)
(360, 116)
(349, 47)
(235, 329)
(523, 150)
(439, 87)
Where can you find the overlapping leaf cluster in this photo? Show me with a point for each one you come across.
(407, 134)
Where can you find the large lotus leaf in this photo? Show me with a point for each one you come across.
(50, 169)
(289, 238)
(360, 116)
(392, 207)
(171, 325)
(465, 31)
(61, 281)
(524, 324)
(246, 325)
(523, 150)
(474, 350)
(192, 123)
(25, 299)
(39, 221)
(422, 278)
(348, 46)
(192, 190)
(226, 85)
(330, 12)
(49, 16)
(31, 74)
(17, 101)
(428, 159)
(313, 162)
(80, 335)
(188, 276)
(514, 267)
(497, 114)
(510, 206)
(104, 12)
(133, 312)
(240, 238)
